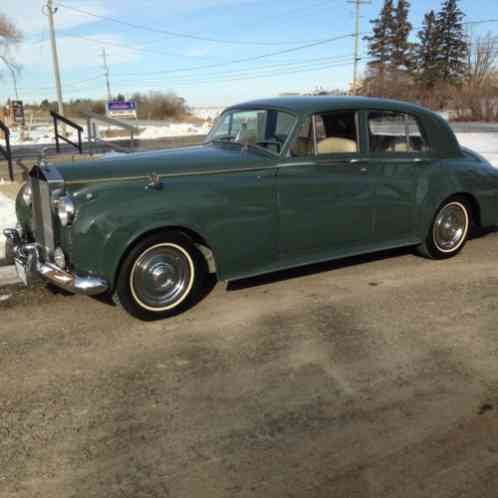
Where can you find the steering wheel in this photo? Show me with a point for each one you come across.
(271, 141)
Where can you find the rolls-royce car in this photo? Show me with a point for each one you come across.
(277, 183)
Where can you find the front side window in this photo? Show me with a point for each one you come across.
(267, 129)
(395, 132)
(327, 133)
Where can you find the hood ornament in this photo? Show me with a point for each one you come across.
(155, 182)
(42, 158)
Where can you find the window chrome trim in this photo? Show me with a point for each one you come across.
(423, 133)
(285, 146)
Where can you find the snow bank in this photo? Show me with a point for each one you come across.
(174, 130)
(210, 113)
(45, 135)
(7, 219)
(485, 144)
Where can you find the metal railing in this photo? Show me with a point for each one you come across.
(6, 151)
(57, 117)
(92, 133)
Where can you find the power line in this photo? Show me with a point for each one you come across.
(173, 33)
(267, 74)
(74, 83)
(250, 71)
(129, 47)
(247, 59)
(79, 83)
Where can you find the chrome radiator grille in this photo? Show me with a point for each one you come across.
(45, 183)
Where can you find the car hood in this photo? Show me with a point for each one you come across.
(190, 160)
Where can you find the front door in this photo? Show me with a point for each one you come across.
(325, 190)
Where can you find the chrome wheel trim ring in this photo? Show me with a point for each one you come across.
(161, 269)
(450, 227)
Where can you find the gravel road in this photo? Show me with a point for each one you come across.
(372, 377)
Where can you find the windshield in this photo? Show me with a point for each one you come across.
(264, 128)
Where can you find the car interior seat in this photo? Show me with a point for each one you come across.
(335, 145)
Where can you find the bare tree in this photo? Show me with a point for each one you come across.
(10, 38)
(477, 98)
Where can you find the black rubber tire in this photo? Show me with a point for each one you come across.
(429, 248)
(123, 294)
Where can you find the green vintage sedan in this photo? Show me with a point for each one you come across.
(277, 183)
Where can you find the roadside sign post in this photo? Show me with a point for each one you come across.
(126, 109)
(17, 112)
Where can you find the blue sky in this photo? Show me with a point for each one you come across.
(202, 71)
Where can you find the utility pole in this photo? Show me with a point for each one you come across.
(358, 4)
(106, 74)
(55, 59)
(14, 78)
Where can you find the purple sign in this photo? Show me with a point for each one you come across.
(123, 108)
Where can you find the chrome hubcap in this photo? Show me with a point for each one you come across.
(161, 277)
(450, 227)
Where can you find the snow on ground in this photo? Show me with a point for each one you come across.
(175, 130)
(45, 134)
(485, 144)
(210, 113)
(7, 219)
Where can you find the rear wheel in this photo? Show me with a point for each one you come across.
(162, 276)
(449, 230)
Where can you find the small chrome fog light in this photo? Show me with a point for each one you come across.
(60, 258)
(65, 210)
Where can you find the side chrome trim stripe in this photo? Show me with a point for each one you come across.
(172, 175)
(290, 165)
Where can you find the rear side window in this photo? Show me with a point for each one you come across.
(395, 132)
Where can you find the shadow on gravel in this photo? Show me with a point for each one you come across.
(184, 419)
(304, 271)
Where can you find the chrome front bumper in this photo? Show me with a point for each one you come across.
(31, 269)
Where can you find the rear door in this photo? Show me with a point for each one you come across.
(398, 156)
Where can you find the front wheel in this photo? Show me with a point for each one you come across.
(449, 230)
(162, 276)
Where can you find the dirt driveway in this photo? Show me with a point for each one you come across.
(375, 377)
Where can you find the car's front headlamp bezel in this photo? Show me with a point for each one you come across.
(27, 194)
(65, 210)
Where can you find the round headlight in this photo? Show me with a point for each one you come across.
(65, 210)
(27, 194)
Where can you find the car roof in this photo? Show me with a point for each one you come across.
(300, 105)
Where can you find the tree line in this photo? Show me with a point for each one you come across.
(152, 105)
(441, 66)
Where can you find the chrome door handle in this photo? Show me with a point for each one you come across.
(358, 161)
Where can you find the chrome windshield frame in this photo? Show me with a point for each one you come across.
(283, 148)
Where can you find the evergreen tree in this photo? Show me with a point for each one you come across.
(380, 48)
(427, 52)
(402, 49)
(453, 49)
